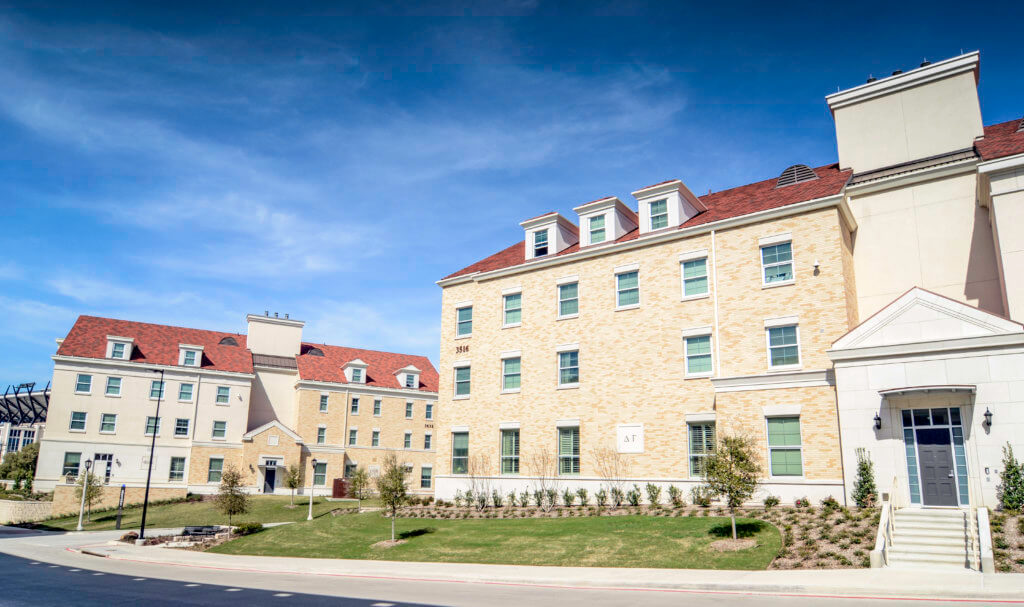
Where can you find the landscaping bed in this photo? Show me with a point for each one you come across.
(1008, 541)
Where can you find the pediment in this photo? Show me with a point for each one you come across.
(922, 316)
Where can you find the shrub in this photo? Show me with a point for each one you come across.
(675, 496)
(617, 497)
(511, 499)
(538, 498)
(551, 497)
(457, 498)
(248, 528)
(568, 497)
(470, 498)
(653, 494)
(131, 536)
(582, 494)
(829, 505)
(771, 501)
(601, 497)
(481, 500)
(700, 495)
(1011, 487)
(633, 495)
(865, 494)
(496, 498)
(802, 502)
(231, 497)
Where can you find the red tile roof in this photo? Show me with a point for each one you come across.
(155, 344)
(380, 371)
(1001, 140)
(744, 200)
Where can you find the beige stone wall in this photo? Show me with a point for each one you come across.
(199, 462)
(632, 361)
(287, 450)
(12, 511)
(373, 459)
(65, 502)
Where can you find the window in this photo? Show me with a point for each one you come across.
(540, 243)
(223, 395)
(659, 214)
(117, 350)
(408, 410)
(777, 263)
(698, 355)
(185, 392)
(597, 229)
(152, 426)
(462, 381)
(429, 412)
(156, 389)
(323, 403)
(355, 405)
(513, 309)
(177, 472)
(113, 386)
(510, 451)
(464, 321)
(568, 451)
(783, 346)
(13, 440)
(353, 436)
(357, 376)
(321, 435)
(695, 277)
(216, 468)
(569, 368)
(71, 463)
(189, 359)
(108, 423)
(460, 452)
(375, 438)
(784, 446)
(407, 442)
(569, 299)
(350, 469)
(376, 407)
(426, 472)
(219, 430)
(410, 380)
(627, 289)
(510, 374)
(427, 441)
(77, 421)
(702, 443)
(320, 474)
(83, 385)
(181, 427)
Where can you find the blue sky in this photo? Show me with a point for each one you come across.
(188, 165)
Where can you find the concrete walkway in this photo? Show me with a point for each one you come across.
(862, 583)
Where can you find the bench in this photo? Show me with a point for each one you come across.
(202, 531)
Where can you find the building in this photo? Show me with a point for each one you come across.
(258, 402)
(816, 312)
(22, 416)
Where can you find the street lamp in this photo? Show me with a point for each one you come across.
(152, 450)
(312, 479)
(85, 489)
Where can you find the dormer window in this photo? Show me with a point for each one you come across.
(604, 220)
(409, 377)
(355, 371)
(119, 348)
(659, 214)
(597, 233)
(666, 205)
(540, 243)
(410, 380)
(189, 355)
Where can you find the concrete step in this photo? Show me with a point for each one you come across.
(914, 542)
(926, 527)
(930, 515)
(929, 532)
(929, 559)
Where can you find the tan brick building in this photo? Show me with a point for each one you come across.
(258, 402)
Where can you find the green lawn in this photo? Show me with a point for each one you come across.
(608, 541)
(263, 509)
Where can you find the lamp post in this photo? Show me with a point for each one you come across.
(312, 479)
(85, 489)
(152, 450)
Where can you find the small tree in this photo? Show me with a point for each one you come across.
(20, 466)
(731, 471)
(92, 495)
(1011, 485)
(614, 469)
(359, 483)
(293, 479)
(543, 466)
(864, 491)
(391, 487)
(231, 499)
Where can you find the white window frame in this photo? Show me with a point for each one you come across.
(591, 229)
(767, 442)
(145, 426)
(407, 440)
(353, 406)
(227, 397)
(353, 437)
(428, 441)
(547, 242)
(191, 392)
(85, 422)
(410, 381)
(772, 241)
(210, 470)
(213, 430)
(357, 375)
(619, 272)
(409, 409)
(188, 427)
(458, 323)
(558, 298)
(378, 406)
(127, 342)
(103, 420)
(321, 434)
(324, 402)
(170, 469)
(183, 353)
(78, 382)
(375, 437)
(711, 354)
(651, 215)
(505, 309)
(558, 366)
(106, 388)
(163, 389)
(455, 380)
(768, 346)
(428, 411)
(322, 475)
(689, 442)
(692, 256)
(430, 480)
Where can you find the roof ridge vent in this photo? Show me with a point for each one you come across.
(1020, 127)
(798, 173)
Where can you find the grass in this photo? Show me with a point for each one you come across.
(620, 541)
(263, 509)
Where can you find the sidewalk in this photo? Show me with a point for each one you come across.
(851, 583)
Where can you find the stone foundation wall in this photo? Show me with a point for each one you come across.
(12, 511)
(65, 502)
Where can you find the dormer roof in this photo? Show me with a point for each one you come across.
(380, 367)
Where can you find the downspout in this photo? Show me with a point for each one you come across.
(195, 408)
(714, 280)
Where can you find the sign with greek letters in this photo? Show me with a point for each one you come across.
(630, 438)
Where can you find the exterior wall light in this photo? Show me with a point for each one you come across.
(988, 417)
(878, 422)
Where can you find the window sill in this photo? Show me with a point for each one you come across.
(218, 439)
(629, 307)
(568, 316)
(82, 431)
(151, 436)
(184, 436)
(699, 375)
(785, 368)
(461, 397)
(695, 297)
(83, 393)
(376, 414)
(464, 336)
(106, 431)
(188, 402)
(568, 386)
(513, 326)
(515, 391)
(781, 283)
(112, 395)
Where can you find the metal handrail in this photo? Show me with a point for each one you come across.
(886, 527)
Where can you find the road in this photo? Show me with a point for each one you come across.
(40, 571)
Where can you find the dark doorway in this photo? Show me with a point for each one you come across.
(269, 476)
(936, 456)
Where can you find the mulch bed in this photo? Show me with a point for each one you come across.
(1008, 541)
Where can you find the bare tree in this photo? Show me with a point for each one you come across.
(614, 470)
(478, 470)
(543, 468)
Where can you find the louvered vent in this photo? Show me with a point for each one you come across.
(228, 341)
(315, 352)
(798, 173)
(1020, 127)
